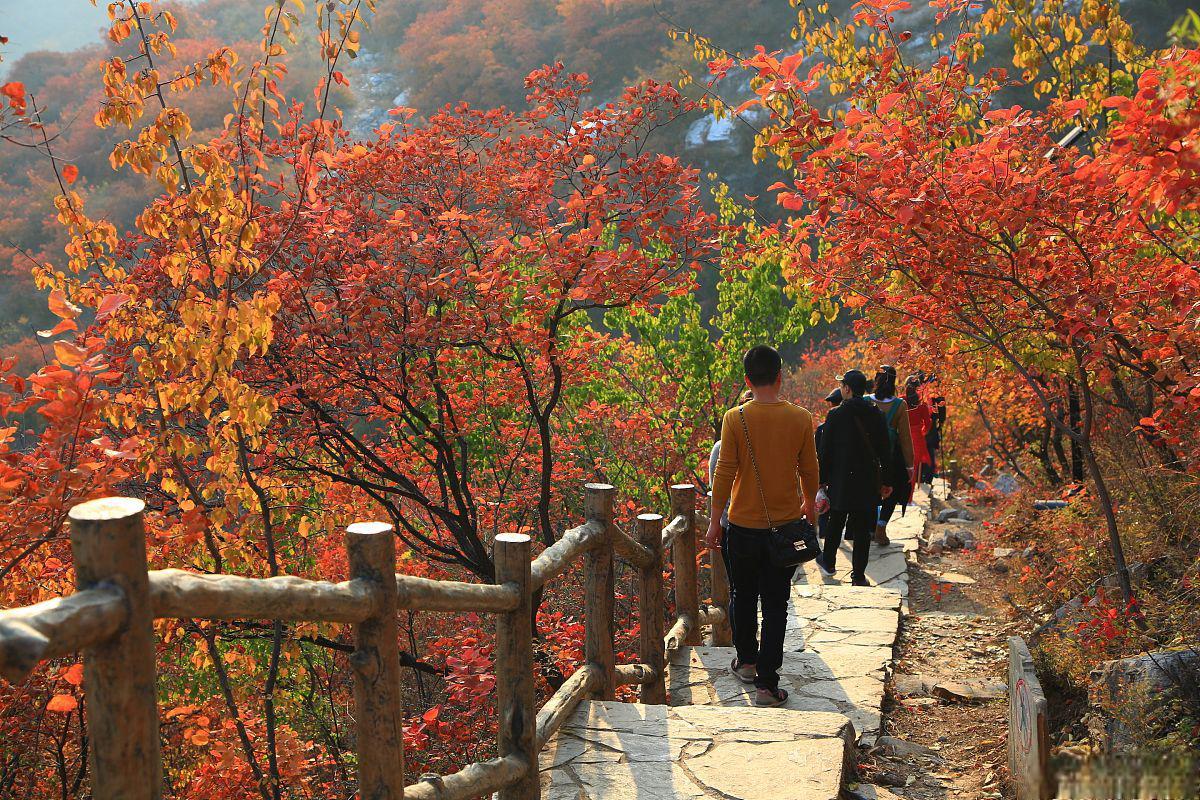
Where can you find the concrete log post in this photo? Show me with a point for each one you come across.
(599, 591)
(722, 632)
(683, 556)
(650, 609)
(108, 541)
(379, 717)
(517, 729)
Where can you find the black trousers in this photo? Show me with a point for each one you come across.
(752, 580)
(859, 525)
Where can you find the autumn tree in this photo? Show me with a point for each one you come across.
(435, 301)
(959, 223)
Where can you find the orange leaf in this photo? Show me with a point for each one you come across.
(74, 674)
(70, 173)
(62, 703)
(60, 306)
(69, 355)
(15, 92)
(200, 738)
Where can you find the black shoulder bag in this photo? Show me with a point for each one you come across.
(792, 543)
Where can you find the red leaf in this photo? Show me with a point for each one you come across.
(70, 173)
(109, 304)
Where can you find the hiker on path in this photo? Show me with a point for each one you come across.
(768, 457)
(853, 463)
(933, 439)
(899, 469)
(920, 422)
(713, 456)
(834, 399)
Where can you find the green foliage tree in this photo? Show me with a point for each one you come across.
(698, 349)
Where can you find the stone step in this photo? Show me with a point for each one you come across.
(837, 653)
(609, 750)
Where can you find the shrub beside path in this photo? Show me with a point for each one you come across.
(711, 743)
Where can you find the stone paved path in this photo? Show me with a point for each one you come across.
(711, 743)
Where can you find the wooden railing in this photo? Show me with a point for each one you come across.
(110, 618)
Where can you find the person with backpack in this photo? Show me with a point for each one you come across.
(899, 457)
(852, 458)
(767, 473)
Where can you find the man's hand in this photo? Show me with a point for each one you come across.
(885, 492)
(712, 537)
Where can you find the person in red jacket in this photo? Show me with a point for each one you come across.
(920, 422)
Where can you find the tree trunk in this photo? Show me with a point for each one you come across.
(1075, 424)
(1043, 454)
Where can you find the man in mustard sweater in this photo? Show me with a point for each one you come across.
(781, 439)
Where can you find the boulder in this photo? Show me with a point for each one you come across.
(913, 685)
(971, 691)
(953, 539)
(1003, 552)
(902, 748)
(947, 514)
(1006, 484)
(1135, 699)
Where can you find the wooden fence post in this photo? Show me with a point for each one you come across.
(517, 729)
(722, 631)
(379, 717)
(108, 541)
(598, 591)
(683, 556)
(650, 609)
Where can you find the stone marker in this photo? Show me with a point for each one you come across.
(1028, 739)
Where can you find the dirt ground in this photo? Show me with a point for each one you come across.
(938, 744)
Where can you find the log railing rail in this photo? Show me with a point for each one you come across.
(110, 619)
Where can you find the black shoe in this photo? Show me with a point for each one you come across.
(826, 571)
(860, 582)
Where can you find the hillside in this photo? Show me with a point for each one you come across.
(420, 54)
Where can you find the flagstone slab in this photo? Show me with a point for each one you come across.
(627, 750)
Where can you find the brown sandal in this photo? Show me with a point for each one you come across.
(770, 698)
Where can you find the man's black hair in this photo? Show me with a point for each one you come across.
(762, 364)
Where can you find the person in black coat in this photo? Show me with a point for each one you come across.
(853, 439)
(834, 399)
